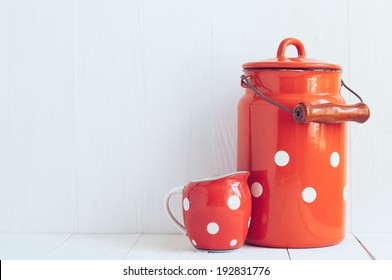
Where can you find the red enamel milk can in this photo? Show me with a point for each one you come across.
(292, 138)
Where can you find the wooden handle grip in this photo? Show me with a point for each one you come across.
(331, 113)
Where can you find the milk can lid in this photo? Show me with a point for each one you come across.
(301, 62)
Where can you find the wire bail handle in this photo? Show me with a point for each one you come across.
(323, 113)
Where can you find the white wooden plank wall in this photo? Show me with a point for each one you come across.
(370, 72)
(39, 185)
(106, 105)
(4, 134)
(109, 109)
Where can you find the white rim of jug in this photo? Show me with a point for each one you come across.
(213, 178)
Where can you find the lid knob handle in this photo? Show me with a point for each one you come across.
(291, 41)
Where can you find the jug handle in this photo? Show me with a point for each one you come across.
(245, 83)
(331, 113)
(321, 113)
(177, 190)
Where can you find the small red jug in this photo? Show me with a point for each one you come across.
(216, 211)
(292, 138)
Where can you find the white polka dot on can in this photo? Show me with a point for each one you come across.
(233, 242)
(234, 202)
(282, 158)
(194, 242)
(309, 194)
(212, 228)
(186, 204)
(256, 189)
(334, 159)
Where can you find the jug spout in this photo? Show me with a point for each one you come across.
(331, 113)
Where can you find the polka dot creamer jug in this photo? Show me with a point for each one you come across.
(216, 211)
(292, 138)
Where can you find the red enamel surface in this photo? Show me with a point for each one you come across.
(302, 202)
(209, 203)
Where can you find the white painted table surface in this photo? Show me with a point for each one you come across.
(378, 245)
(176, 246)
